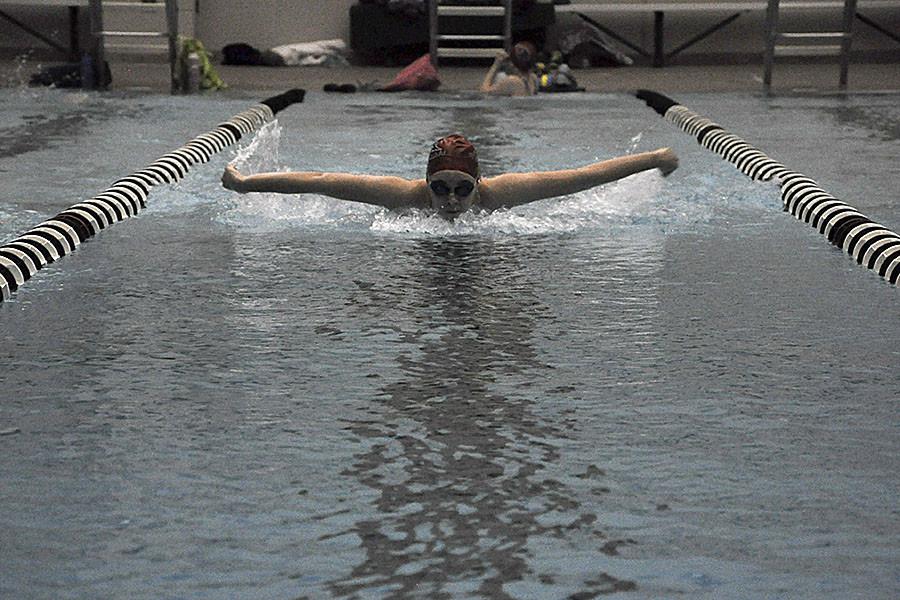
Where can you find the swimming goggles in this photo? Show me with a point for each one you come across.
(441, 188)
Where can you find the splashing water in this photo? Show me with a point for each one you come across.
(691, 198)
(261, 154)
(628, 203)
(643, 200)
(634, 142)
(20, 76)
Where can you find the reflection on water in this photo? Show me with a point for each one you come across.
(462, 463)
(876, 122)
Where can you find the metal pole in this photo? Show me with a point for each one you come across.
(507, 25)
(705, 34)
(433, 31)
(172, 29)
(771, 35)
(31, 31)
(614, 35)
(849, 12)
(877, 27)
(97, 52)
(74, 43)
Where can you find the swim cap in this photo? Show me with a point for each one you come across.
(523, 55)
(453, 153)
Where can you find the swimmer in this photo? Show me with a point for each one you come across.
(521, 82)
(453, 183)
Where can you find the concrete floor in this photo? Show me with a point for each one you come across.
(788, 77)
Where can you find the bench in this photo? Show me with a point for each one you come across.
(733, 9)
(73, 6)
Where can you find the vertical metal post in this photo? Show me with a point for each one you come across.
(771, 37)
(74, 43)
(97, 51)
(847, 29)
(507, 25)
(433, 31)
(659, 57)
(172, 29)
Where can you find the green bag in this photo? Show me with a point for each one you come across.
(209, 79)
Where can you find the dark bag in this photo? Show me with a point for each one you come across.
(241, 54)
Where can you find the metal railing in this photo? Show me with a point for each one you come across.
(99, 35)
(468, 45)
(808, 43)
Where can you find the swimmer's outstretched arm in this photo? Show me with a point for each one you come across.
(390, 192)
(514, 189)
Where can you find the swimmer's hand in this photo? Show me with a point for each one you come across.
(233, 180)
(667, 161)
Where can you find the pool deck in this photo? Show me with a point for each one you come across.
(693, 78)
(789, 78)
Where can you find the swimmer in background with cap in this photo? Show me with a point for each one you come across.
(522, 81)
(453, 183)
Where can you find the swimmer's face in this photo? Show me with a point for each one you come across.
(452, 192)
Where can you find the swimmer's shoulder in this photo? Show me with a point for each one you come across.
(512, 85)
(507, 190)
(389, 191)
(407, 193)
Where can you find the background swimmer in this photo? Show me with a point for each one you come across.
(511, 74)
(453, 182)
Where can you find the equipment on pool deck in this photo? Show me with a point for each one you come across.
(871, 244)
(24, 256)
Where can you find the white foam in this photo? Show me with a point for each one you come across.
(638, 200)
(644, 200)
(261, 153)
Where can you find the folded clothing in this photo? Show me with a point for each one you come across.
(324, 53)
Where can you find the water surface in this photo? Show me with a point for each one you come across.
(659, 388)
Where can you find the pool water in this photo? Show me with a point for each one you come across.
(663, 387)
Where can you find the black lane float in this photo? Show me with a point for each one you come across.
(22, 257)
(871, 244)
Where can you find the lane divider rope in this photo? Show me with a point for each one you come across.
(871, 244)
(45, 243)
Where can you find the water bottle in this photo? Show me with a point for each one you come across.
(88, 81)
(193, 73)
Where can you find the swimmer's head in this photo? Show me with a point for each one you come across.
(523, 55)
(452, 176)
(453, 152)
(452, 192)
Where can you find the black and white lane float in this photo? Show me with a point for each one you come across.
(22, 257)
(871, 244)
